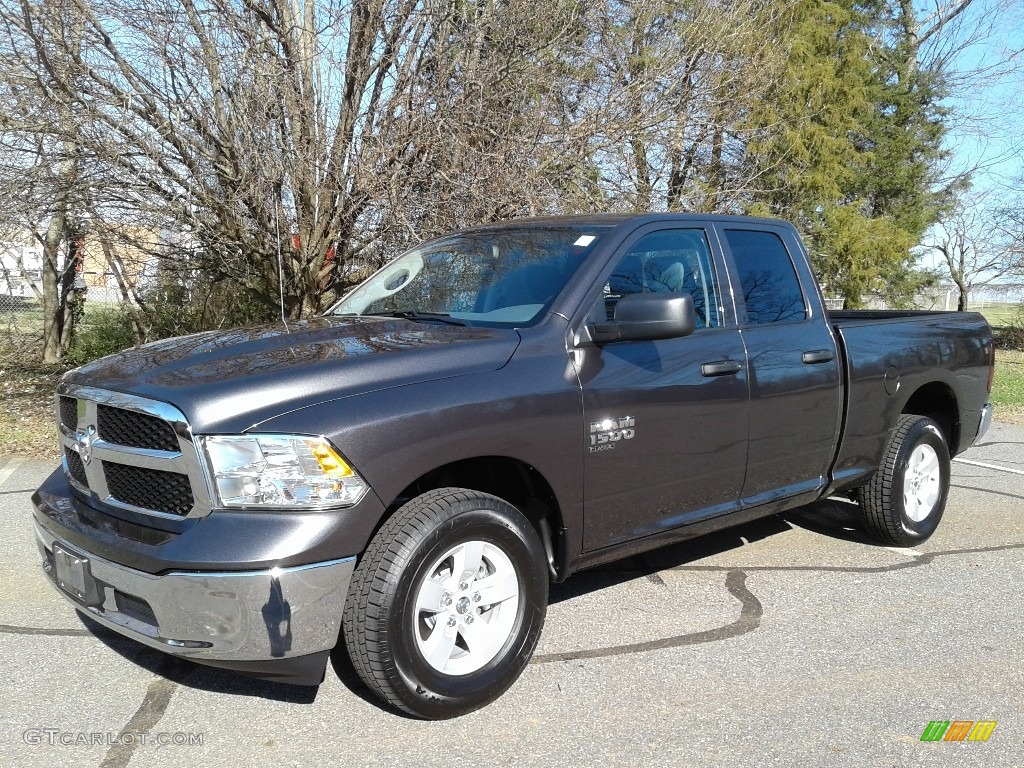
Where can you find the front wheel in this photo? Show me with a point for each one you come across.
(905, 499)
(447, 604)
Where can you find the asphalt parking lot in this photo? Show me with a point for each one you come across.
(787, 642)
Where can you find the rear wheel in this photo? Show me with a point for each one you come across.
(447, 604)
(904, 501)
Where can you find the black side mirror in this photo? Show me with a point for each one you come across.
(647, 317)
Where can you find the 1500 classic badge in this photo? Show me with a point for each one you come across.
(606, 433)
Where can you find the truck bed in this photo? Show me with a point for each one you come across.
(890, 356)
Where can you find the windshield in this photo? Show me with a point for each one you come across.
(506, 277)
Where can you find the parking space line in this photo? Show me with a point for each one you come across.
(989, 466)
(7, 471)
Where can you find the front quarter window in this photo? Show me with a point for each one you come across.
(506, 277)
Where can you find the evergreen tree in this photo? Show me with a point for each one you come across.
(850, 144)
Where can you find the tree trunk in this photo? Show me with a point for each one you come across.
(644, 188)
(53, 312)
(71, 298)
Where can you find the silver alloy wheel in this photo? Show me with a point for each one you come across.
(921, 483)
(466, 607)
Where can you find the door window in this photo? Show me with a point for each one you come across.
(669, 261)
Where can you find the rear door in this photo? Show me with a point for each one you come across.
(793, 365)
(665, 430)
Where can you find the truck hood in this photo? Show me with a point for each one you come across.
(227, 381)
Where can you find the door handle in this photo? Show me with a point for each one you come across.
(721, 368)
(817, 356)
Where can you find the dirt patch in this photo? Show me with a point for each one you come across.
(27, 424)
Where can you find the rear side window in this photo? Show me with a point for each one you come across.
(770, 286)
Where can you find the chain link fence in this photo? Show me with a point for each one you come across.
(21, 318)
(21, 324)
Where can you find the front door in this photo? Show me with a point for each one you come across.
(665, 429)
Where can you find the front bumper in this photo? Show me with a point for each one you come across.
(247, 620)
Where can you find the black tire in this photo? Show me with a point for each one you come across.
(382, 619)
(886, 516)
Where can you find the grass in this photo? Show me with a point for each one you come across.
(998, 313)
(1008, 386)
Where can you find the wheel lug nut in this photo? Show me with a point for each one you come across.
(451, 621)
(446, 600)
(464, 585)
(476, 597)
(469, 619)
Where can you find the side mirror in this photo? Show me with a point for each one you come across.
(647, 317)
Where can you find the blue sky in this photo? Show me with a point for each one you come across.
(987, 126)
(989, 131)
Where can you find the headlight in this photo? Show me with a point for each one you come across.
(280, 471)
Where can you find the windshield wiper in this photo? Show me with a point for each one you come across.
(412, 314)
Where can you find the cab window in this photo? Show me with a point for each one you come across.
(669, 261)
(771, 290)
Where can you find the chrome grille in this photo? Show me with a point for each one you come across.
(134, 429)
(128, 452)
(75, 467)
(149, 488)
(69, 412)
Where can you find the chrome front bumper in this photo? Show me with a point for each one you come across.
(246, 616)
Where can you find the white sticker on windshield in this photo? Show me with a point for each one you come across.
(585, 240)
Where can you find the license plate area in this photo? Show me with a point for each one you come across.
(72, 574)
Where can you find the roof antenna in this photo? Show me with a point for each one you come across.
(280, 262)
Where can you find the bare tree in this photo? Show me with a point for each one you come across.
(973, 45)
(287, 146)
(980, 246)
(38, 200)
(663, 88)
(286, 136)
(42, 177)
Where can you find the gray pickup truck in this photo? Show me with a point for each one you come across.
(401, 479)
